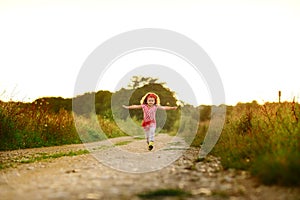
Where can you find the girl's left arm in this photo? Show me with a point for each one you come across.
(167, 107)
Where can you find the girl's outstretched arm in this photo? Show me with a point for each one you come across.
(133, 107)
(167, 107)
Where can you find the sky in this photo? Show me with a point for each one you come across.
(254, 46)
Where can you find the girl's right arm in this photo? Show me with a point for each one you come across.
(133, 107)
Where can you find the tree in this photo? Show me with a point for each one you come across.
(139, 81)
(103, 103)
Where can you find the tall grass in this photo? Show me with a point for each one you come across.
(35, 125)
(264, 139)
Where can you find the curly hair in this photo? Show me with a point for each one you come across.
(150, 94)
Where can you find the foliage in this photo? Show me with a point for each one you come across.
(55, 104)
(264, 139)
(188, 124)
(110, 128)
(132, 126)
(205, 111)
(34, 125)
(139, 81)
(28, 125)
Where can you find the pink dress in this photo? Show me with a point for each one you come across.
(149, 115)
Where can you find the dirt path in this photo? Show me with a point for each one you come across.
(84, 177)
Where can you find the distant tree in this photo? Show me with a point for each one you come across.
(82, 104)
(139, 81)
(103, 104)
(135, 82)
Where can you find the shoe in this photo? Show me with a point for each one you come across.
(150, 146)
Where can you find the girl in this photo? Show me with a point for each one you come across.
(149, 104)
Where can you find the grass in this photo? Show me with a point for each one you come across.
(30, 125)
(122, 143)
(263, 139)
(139, 137)
(34, 125)
(102, 147)
(55, 155)
(161, 193)
(40, 157)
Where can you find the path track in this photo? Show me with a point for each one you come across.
(84, 177)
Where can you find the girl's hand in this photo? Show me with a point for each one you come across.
(125, 106)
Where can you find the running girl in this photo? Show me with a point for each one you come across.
(150, 103)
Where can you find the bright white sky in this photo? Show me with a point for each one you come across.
(255, 45)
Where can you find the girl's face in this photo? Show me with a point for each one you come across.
(150, 101)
